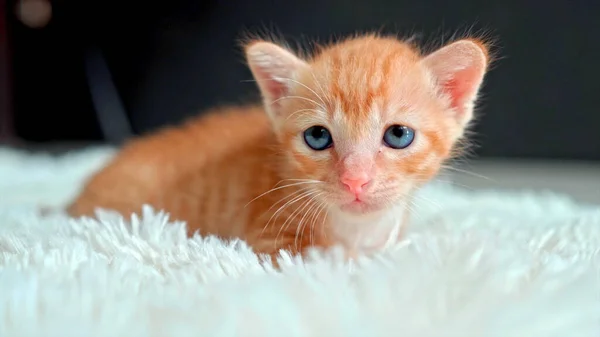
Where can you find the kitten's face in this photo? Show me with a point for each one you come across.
(365, 119)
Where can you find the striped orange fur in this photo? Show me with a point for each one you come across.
(254, 172)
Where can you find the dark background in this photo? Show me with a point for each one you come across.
(171, 59)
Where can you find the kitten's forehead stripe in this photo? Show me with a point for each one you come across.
(360, 75)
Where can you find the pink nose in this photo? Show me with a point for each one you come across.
(356, 183)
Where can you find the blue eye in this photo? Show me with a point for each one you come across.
(398, 136)
(318, 138)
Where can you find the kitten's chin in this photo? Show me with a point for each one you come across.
(360, 207)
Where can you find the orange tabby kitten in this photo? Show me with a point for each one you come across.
(343, 140)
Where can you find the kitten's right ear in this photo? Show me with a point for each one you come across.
(274, 69)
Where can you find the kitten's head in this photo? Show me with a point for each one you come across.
(370, 117)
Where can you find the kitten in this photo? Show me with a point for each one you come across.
(332, 157)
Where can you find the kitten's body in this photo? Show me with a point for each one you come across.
(246, 171)
(206, 173)
(215, 192)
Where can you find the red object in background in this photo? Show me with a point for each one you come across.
(6, 120)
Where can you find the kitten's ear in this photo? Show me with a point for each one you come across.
(459, 69)
(273, 69)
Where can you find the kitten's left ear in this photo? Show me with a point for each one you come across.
(273, 69)
(458, 69)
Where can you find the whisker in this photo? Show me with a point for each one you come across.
(447, 167)
(297, 82)
(325, 221)
(284, 227)
(305, 86)
(315, 218)
(286, 197)
(299, 180)
(289, 202)
(453, 183)
(299, 111)
(323, 92)
(288, 221)
(299, 97)
(411, 208)
(431, 202)
(278, 188)
(313, 180)
(301, 224)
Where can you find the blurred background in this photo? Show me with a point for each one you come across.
(80, 72)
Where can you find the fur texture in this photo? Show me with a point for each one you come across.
(485, 264)
(333, 157)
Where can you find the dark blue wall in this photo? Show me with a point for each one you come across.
(170, 61)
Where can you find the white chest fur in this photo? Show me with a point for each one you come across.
(367, 233)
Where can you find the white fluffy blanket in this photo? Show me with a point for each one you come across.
(484, 264)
